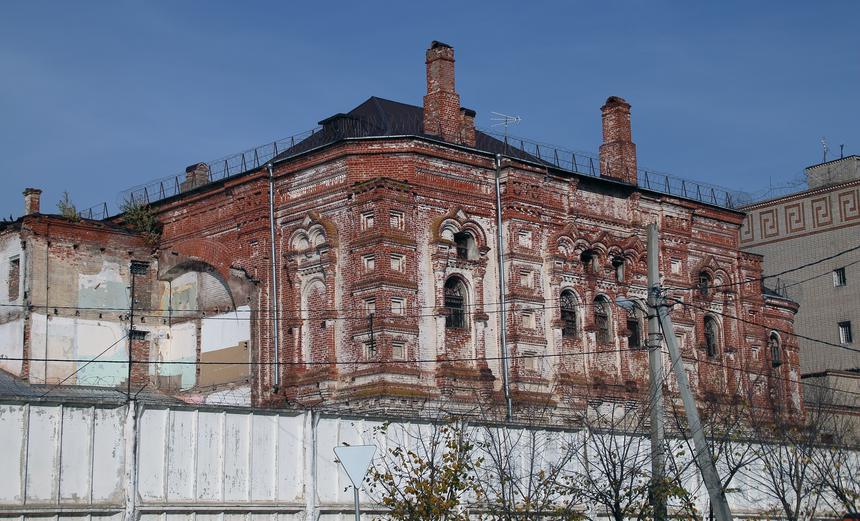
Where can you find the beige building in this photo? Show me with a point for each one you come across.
(822, 222)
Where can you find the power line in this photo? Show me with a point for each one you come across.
(87, 362)
(779, 274)
(746, 321)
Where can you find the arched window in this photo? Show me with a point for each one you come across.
(568, 314)
(775, 349)
(455, 303)
(634, 326)
(589, 261)
(601, 320)
(618, 266)
(704, 284)
(467, 248)
(712, 336)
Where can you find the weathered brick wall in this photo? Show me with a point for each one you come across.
(344, 212)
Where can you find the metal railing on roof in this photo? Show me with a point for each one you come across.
(588, 164)
(217, 170)
(549, 155)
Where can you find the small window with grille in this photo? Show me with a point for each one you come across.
(601, 320)
(455, 303)
(712, 336)
(568, 314)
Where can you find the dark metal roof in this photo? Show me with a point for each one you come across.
(379, 117)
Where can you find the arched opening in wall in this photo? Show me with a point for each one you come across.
(712, 336)
(618, 267)
(455, 303)
(315, 333)
(705, 284)
(602, 320)
(775, 346)
(467, 247)
(589, 261)
(634, 329)
(200, 302)
(568, 314)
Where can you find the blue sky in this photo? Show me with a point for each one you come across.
(96, 97)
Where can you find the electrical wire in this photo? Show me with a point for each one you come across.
(746, 321)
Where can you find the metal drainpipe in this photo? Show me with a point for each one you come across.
(503, 322)
(273, 287)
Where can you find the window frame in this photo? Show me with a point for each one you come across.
(602, 320)
(846, 335)
(455, 304)
(567, 306)
(840, 280)
(774, 344)
(14, 283)
(712, 336)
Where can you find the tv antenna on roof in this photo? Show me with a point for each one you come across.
(506, 121)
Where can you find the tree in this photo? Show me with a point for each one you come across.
(785, 472)
(524, 468)
(142, 219)
(837, 462)
(67, 208)
(615, 461)
(727, 420)
(431, 481)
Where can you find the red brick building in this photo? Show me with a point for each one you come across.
(368, 255)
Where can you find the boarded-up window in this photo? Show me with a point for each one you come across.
(14, 278)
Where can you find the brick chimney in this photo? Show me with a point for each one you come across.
(32, 200)
(195, 175)
(618, 152)
(442, 115)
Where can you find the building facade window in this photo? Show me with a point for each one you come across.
(367, 220)
(839, 278)
(527, 279)
(775, 349)
(568, 314)
(369, 262)
(712, 336)
(455, 303)
(398, 306)
(845, 334)
(635, 329)
(530, 361)
(589, 261)
(398, 262)
(395, 220)
(524, 238)
(398, 350)
(602, 320)
(618, 266)
(705, 284)
(14, 279)
(369, 306)
(528, 319)
(466, 246)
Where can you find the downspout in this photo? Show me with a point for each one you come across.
(273, 286)
(503, 321)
